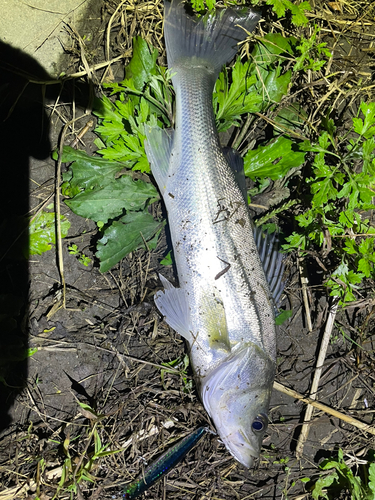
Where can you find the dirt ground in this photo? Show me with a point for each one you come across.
(106, 347)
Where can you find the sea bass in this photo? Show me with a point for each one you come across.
(223, 307)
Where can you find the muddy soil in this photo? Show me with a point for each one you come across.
(96, 382)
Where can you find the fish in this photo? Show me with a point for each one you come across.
(223, 307)
(163, 464)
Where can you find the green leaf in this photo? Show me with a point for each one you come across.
(323, 191)
(111, 200)
(125, 236)
(350, 247)
(323, 483)
(371, 479)
(298, 16)
(167, 261)
(235, 99)
(366, 263)
(42, 232)
(277, 85)
(273, 160)
(366, 127)
(283, 316)
(268, 50)
(368, 157)
(88, 171)
(142, 64)
(291, 118)
(105, 109)
(30, 351)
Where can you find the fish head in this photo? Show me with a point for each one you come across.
(237, 395)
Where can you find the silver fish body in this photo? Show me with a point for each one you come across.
(223, 307)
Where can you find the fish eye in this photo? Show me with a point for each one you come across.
(260, 423)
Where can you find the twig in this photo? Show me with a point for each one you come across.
(304, 283)
(318, 371)
(326, 409)
(79, 137)
(60, 261)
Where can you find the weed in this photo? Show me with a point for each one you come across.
(342, 185)
(361, 484)
(76, 469)
(280, 7)
(179, 366)
(42, 232)
(82, 258)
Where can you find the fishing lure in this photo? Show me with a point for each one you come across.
(163, 464)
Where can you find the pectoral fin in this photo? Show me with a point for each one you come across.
(173, 305)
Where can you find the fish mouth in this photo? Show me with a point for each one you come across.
(240, 449)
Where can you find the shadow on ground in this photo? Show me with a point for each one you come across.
(24, 133)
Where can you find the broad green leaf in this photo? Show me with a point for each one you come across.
(142, 64)
(277, 85)
(125, 236)
(291, 118)
(111, 200)
(283, 316)
(42, 232)
(273, 160)
(322, 484)
(88, 171)
(268, 50)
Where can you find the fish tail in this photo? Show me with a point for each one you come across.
(212, 40)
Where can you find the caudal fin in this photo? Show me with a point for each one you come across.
(212, 40)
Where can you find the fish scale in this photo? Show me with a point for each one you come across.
(223, 306)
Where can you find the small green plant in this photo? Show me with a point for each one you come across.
(42, 232)
(82, 258)
(177, 366)
(77, 469)
(280, 7)
(167, 261)
(342, 187)
(311, 53)
(361, 485)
